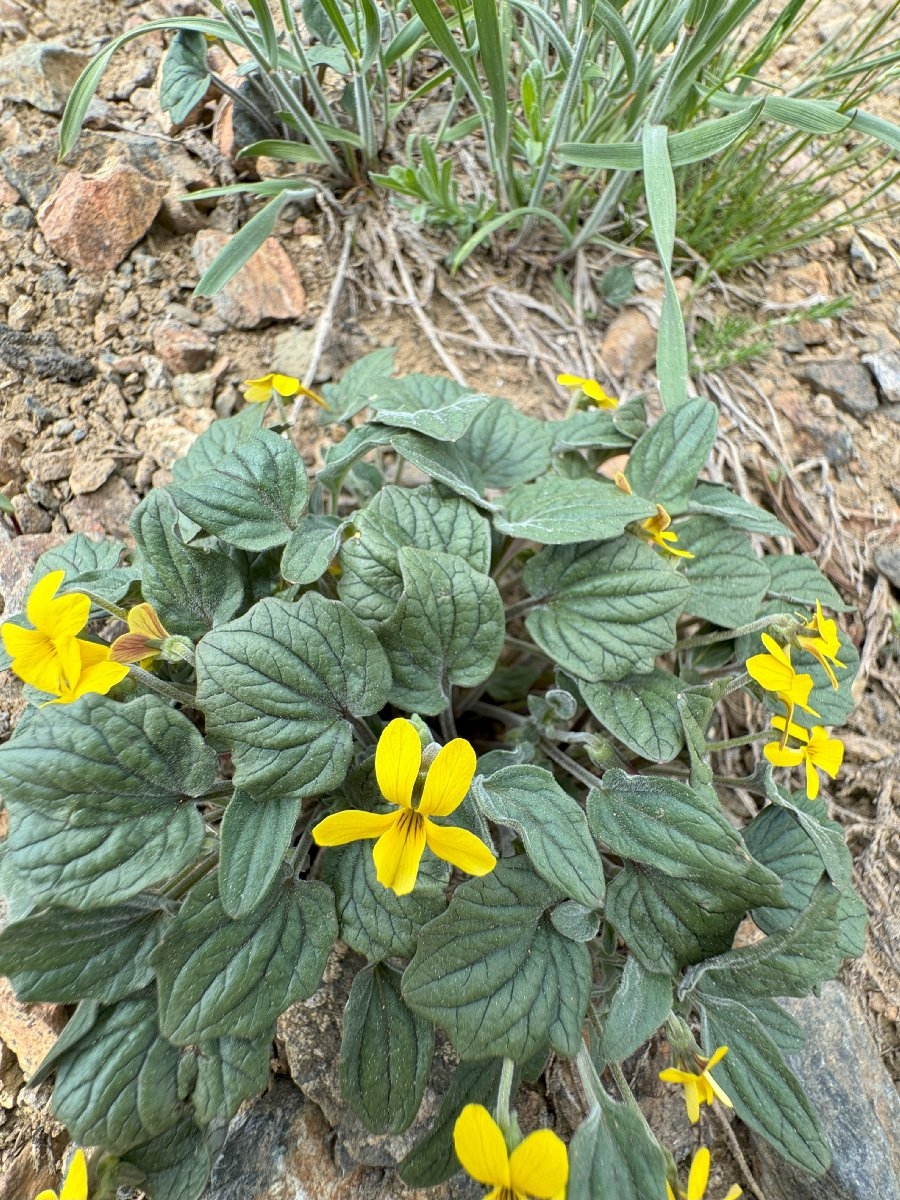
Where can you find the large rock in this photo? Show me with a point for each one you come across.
(841, 1071)
(92, 221)
(41, 74)
(848, 384)
(29, 1029)
(267, 288)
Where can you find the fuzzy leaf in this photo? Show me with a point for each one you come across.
(727, 579)
(504, 447)
(665, 462)
(175, 1165)
(716, 500)
(255, 836)
(797, 579)
(230, 1070)
(640, 1004)
(640, 711)
(612, 1154)
(214, 443)
(311, 549)
(278, 686)
(446, 422)
(557, 511)
(185, 75)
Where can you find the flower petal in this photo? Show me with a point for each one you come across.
(733, 1192)
(783, 756)
(699, 1176)
(285, 385)
(75, 1186)
(539, 1166)
(398, 757)
(716, 1057)
(449, 779)
(91, 653)
(769, 673)
(49, 1194)
(827, 753)
(673, 1075)
(398, 852)
(143, 619)
(480, 1147)
(352, 825)
(812, 780)
(692, 1099)
(61, 617)
(459, 847)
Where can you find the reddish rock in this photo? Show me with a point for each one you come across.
(17, 559)
(181, 348)
(105, 512)
(92, 221)
(89, 474)
(629, 345)
(267, 288)
(28, 1029)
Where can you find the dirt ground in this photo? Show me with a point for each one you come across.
(78, 455)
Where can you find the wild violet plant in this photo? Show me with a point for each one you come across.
(448, 700)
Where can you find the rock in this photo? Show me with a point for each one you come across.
(164, 438)
(105, 512)
(841, 1071)
(280, 1149)
(92, 221)
(89, 474)
(848, 384)
(28, 1029)
(18, 217)
(267, 288)
(40, 354)
(31, 518)
(182, 348)
(863, 262)
(293, 352)
(14, 437)
(17, 559)
(41, 74)
(886, 369)
(195, 391)
(887, 561)
(50, 465)
(22, 314)
(628, 348)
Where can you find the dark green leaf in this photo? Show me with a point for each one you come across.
(727, 578)
(640, 1004)
(90, 566)
(312, 549)
(175, 1165)
(504, 447)
(230, 1070)
(552, 826)
(373, 920)
(66, 956)
(825, 835)
(677, 830)
(255, 836)
(118, 1085)
(80, 1024)
(231, 978)
(279, 685)
(765, 1092)
(640, 711)
(796, 578)
(445, 462)
(446, 423)
(341, 456)
(385, 1053)
(495, 928)
(612, 1154)
(717, 500)
(558, 511)
(192, 589)
(617, 284)
(574, 921)
(254, 497)
(606, 611)
(591, 430)
(665, 462)
(220, 439)
(371, 582)
(98, 798)
(446, 629)
(185, 75)
(368, 377)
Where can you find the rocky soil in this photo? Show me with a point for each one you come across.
(109, 368)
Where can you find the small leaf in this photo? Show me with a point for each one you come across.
(504, 447)
(386, 1053)
(96, 793)
(446, 423)
(727, 579)
(797, 579)
(446, 629)
(640, 711)
(192, 589)
(640, 1004)
(231, 978)
(368, 377)
(255, 836)
(495, 928)
(185, 75)
(717, 500)
(591, 430)
(219, 440)
(605, 611)
(279, 686)
(175, 1165)
(612, 1154)
(765, 1092)
(552, 826)
(311, 549)
(665, 462)
(557, 511)
(230, 1070)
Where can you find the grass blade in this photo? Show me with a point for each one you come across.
(241, 247)
(296, 152)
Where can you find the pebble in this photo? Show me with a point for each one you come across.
(194, 390)
(49, 465)
(293, 351)
(89, 474)
(267, 288)
(863, 262)
(182, 348)
(28, 1029)
(848, 384)
(885, 367)
(22, 314)
(41, 74)
(628, 348)
(31, 517)
(887, 561)
(104, 513)
(17, 217)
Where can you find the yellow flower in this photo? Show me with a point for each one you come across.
(775, 673)
(698, 1179)
(591, 388)
(95, 674)
(75, 1184)
(538, 1167)
(49, 653)
(825, 645)
(403, 835)
(658, 530)
(141, 643)
(261, 391)
(699, 1086)
(819, 750)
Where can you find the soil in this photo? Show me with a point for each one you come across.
(830, 476)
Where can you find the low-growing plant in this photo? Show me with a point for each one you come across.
(452, 701)
(537, 87)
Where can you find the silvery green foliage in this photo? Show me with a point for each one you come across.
(158, 863)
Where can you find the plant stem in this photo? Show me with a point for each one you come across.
(570, 765)
(448, 725)
(503, 1098)
(520, 606)
(363, 732)
(169, 691)
(745, 740)
(724, 635)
